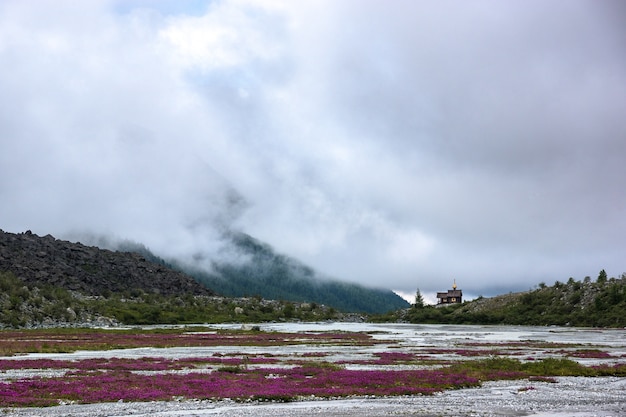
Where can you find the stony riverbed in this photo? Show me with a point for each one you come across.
(569, 396)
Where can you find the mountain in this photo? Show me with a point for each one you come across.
(127, 267)
(88, 270)
(263, 272)
(260, 271)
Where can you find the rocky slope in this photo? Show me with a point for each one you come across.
(88, 270)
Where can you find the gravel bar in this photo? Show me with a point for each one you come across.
(569, 397)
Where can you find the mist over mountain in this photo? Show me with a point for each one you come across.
(246, 267)
(260, 271)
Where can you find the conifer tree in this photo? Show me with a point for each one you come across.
(419, 300)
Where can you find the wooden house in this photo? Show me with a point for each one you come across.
(452, 296)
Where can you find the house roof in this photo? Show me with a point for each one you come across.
(450, 293)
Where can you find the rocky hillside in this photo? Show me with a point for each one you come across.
(88, 270)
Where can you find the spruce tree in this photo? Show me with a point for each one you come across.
(419, 300)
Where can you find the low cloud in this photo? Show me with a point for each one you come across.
(397, 147)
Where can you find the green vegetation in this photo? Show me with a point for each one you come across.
(547, 367)
(574, 303)
(23, 305)
(156, 309)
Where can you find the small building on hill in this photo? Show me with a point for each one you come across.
(452, 296)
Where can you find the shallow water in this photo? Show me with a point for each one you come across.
(408, 337)
(416, 336)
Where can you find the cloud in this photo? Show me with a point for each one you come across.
(399, 147)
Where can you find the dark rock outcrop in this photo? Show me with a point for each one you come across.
(86, 269)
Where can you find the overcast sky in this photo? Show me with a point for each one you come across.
(399, 144)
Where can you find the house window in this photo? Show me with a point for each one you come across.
(453, 300)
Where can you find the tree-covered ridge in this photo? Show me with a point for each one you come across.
(260, 271)
(267, 274)
(585, 303)
(24, 305)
